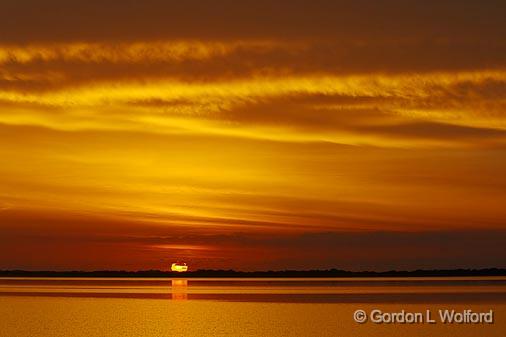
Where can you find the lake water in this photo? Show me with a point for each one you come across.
(32, 307)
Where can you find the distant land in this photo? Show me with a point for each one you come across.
(233, 273)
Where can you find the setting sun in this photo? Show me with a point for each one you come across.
(179, 267)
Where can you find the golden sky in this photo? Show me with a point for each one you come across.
(252, 135)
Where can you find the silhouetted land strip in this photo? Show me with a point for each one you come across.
(233, 273)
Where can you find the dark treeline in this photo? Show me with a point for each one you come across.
(233, 273)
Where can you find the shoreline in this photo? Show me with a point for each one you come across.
(258, 274)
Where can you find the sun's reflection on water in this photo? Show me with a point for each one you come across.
(179, 289)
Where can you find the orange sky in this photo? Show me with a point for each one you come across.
(252, 135)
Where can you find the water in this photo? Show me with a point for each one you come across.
(31, 307)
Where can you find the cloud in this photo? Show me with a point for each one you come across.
(74, 62)
(439, 131)
(359, 109)
(22, 20)
(292, 79)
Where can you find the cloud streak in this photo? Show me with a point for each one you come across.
(358, 109)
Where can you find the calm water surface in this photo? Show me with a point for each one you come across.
(31, 307)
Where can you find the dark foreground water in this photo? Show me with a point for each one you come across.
(247, 307)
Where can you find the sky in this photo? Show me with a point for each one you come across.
(252, 135)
